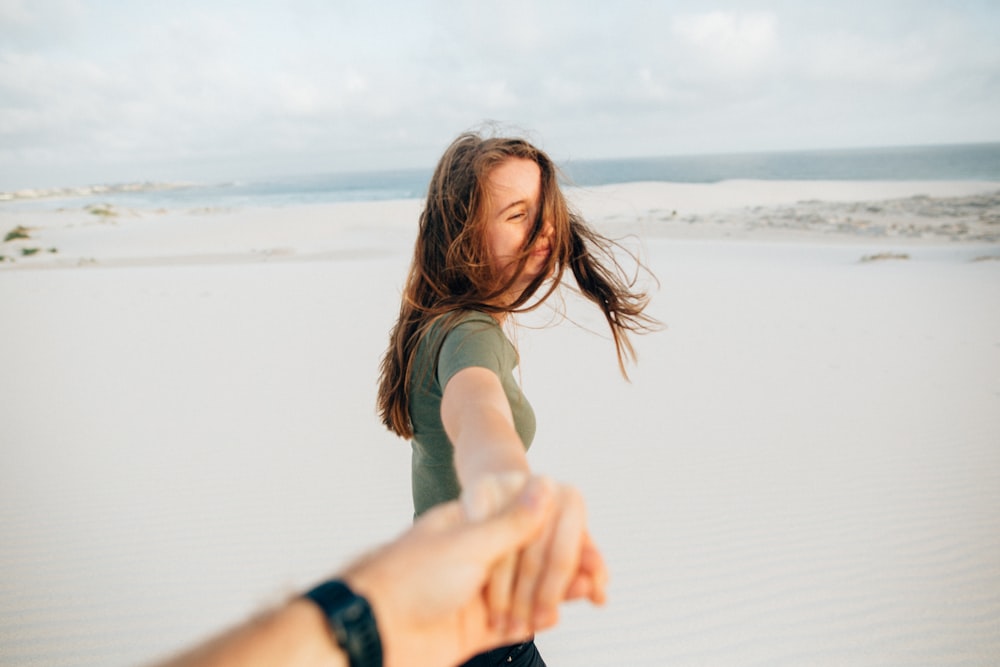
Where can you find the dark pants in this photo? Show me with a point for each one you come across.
(517, 655)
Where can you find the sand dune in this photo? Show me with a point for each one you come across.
(804, 469)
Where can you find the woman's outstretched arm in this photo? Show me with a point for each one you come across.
(478, 420)
(492, 467)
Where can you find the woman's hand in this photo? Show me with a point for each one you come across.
(562, 563)
(481, 500)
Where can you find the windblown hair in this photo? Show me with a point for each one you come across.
(452, 269)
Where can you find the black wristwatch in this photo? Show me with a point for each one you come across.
(351, 621)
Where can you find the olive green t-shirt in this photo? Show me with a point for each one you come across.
(474, 340)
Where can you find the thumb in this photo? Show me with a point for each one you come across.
(514, 525)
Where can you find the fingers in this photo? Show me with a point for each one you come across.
(592, 578)
(499, 590)
(562, 560)
(549, 565)
(540, 559)
(488, 496)
(592, 565)
(530, 567)
(561, 564)
(515, 525)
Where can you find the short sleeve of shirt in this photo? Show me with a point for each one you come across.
(472, 343)
(470, 339)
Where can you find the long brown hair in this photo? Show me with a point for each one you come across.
(452, 271)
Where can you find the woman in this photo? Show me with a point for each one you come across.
(495, 238)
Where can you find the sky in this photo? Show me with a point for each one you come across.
(215, 90)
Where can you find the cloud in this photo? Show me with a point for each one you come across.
(111, 86)
(727, 43)
(14, 11)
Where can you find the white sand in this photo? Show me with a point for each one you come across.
(805, 468)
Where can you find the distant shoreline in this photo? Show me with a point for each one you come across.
(883, 214)
(89, 190)
(942, 162)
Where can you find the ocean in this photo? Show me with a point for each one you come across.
(942, 162)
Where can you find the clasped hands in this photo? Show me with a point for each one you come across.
(561, 563)
(486, 571)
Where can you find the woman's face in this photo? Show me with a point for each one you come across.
(514, 189)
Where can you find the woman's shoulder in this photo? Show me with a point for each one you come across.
(464, 316)
(448, 322)
(459, 328)
(474, 339)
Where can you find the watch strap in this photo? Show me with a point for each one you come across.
(351, 621)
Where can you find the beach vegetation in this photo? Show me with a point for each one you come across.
(19, 232)
(28, 252)
(102, 210)
(881, 256)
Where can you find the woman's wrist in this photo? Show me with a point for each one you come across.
(491, 493)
